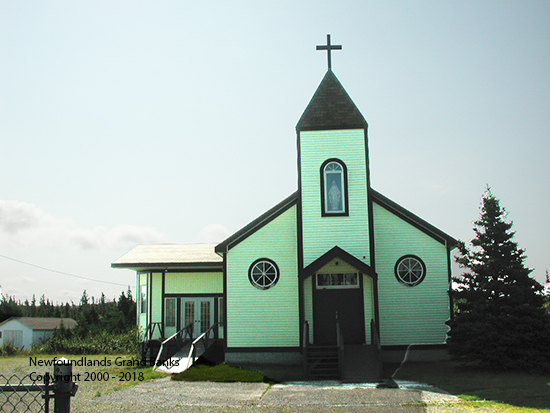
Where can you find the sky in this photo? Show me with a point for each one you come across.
(135, 122)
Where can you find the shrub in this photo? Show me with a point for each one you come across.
(8, 349)
(101, 343)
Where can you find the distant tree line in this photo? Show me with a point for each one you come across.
(92, 315)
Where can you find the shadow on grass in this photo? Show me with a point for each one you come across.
(514, 388)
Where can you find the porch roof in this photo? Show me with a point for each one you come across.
(171, 256)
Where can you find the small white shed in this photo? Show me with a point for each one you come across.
(23, 332)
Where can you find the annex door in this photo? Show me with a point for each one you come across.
(199, 311)
(338, 294)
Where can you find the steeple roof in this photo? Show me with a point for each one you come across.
(331, 108)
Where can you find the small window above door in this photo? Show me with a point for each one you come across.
(343, 280)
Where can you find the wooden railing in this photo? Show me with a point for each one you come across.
(375, 335)
(150, 330)
(175, 341)
(144, 341)
(202, 339)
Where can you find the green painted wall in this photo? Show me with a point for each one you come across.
(409, 314)
(194, 283)
(264, 318)
(337, 266)
(350, 233)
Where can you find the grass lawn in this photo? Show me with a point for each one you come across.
(502, 391)
(220, 373)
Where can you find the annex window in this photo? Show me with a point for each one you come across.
(410, 270)
(143, 299)
(334, 197)
(170, 314)
(263, 273)
(344, 280)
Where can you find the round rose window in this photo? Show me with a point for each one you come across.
(410, 270)
(263, 273)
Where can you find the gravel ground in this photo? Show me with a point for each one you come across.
(171, 396)
(167, 395)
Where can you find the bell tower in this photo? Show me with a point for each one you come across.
(333, 174)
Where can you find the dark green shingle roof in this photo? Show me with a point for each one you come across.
(331, 108)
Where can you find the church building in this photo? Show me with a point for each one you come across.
(334, 262)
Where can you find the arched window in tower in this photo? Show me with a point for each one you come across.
(334, 188)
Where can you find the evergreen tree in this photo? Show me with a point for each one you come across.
(33, 307)
(9, 307)
(127, 306)
(500, 322)
(84, 300)
(547, 293)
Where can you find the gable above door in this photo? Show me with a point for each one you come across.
(337, 252)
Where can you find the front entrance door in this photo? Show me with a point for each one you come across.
(199, 311)
(333, 296)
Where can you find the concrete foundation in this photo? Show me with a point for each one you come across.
(397, 356)
(264, 357)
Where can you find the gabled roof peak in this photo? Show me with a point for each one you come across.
(331, 108)
(337, 252)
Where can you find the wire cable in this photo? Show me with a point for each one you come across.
(61, 272)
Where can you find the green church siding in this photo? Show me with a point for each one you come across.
(194, 283)
(368, 300)
(320, 233)
(308, 305)
(264, 318)
(409, 315)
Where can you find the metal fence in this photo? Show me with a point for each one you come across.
(32, 392)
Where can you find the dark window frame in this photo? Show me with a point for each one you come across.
(337, 280)
(255, 283)
(143, 299)
(419, 279)
(171, 317)
(324, 211)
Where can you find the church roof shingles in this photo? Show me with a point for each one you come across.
(331, 108)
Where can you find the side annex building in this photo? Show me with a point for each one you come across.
(336, 251)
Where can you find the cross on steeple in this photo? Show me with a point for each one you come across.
(328, 48)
